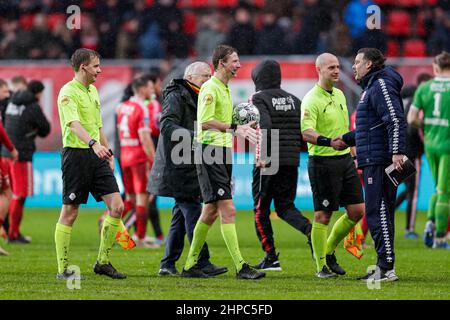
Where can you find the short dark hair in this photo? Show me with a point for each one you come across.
(82, 56)
(423, 77)
(221, 52)
(3, 83)
(374, 55)
(139, 82)
(19, 79)
(35, 86)
(443, 60)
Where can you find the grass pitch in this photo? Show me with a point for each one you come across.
(29, 272)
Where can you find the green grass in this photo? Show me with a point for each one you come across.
(29, 272)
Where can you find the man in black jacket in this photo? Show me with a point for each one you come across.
(24, 120)
(279, 110)
(174, 173)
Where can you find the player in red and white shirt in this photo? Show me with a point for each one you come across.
(5, 186)
(136, 151)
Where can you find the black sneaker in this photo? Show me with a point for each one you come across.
(168, 272)
(250, 273)
(194, 272)
(325, 273)
(380, 275)
(108, 270)
(269, 263)
(68, 275)
(333, 265)
(21, 239)
(213, 270)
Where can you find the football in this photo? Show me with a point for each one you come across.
(244, 113)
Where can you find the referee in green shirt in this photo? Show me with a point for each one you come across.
(214, 136)
(332, 172)
(87, 163)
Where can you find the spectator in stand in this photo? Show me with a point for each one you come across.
(176, 42)
(371, 39)
(242, 35)
(440, 38)
(340, 41)
(127, 39)
(270, 39)
(316, 19)
(209, 34)
(355, 16)
(110, 14)
(89, 36)
(150, 43)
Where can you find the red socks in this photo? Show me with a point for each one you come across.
(15, 217)
(141, 222)
(127, 206)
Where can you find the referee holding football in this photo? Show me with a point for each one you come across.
(87, 163)
(214, 136)
(332, 172)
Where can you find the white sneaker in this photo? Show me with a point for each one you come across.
(3, 252)
(143, 244)
(389, 275)
(147, 239)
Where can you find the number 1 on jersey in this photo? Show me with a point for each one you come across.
(437, 102)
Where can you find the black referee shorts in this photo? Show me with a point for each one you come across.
(334, 182)
(214, 173)
(84, 172)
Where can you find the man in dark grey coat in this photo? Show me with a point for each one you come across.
(174, 173)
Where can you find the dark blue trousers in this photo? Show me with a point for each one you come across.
(380, 196)
(185, 215)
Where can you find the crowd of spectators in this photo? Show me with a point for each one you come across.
(37, 29)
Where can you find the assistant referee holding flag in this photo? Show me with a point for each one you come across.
(332, 172)
(87, 163)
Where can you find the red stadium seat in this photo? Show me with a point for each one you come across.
(26, 21)
(54, 18)
(399, 23)
(431, 2)
(190, 23)
(199, 3)
(409, 3)
(384, 2)
(259, 3)
(227, 3)
(149, 3)
(393, 49)
(414, 48)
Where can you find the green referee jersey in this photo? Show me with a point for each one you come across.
(214, 103)
(79, 103)
(433, 97)
(326, 113)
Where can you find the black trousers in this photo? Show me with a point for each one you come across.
(380, 196)
(282, 189)
(185, 215)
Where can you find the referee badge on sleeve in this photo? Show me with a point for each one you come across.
(65, 100)
(208, 99)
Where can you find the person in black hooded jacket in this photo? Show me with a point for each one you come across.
(24, 121)
(169, 178)
(279, 110)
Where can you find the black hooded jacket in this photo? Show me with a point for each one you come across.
(167, 178)
(24, 120)
(279, 110)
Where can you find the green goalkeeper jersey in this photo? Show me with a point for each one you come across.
(433, 97)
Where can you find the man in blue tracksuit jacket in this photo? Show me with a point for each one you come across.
(380, 141)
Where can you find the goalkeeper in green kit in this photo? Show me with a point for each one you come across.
(433, 98)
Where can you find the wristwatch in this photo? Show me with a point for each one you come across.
(92, 142)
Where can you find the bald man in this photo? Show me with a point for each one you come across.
(332, 171)
(170, 178)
